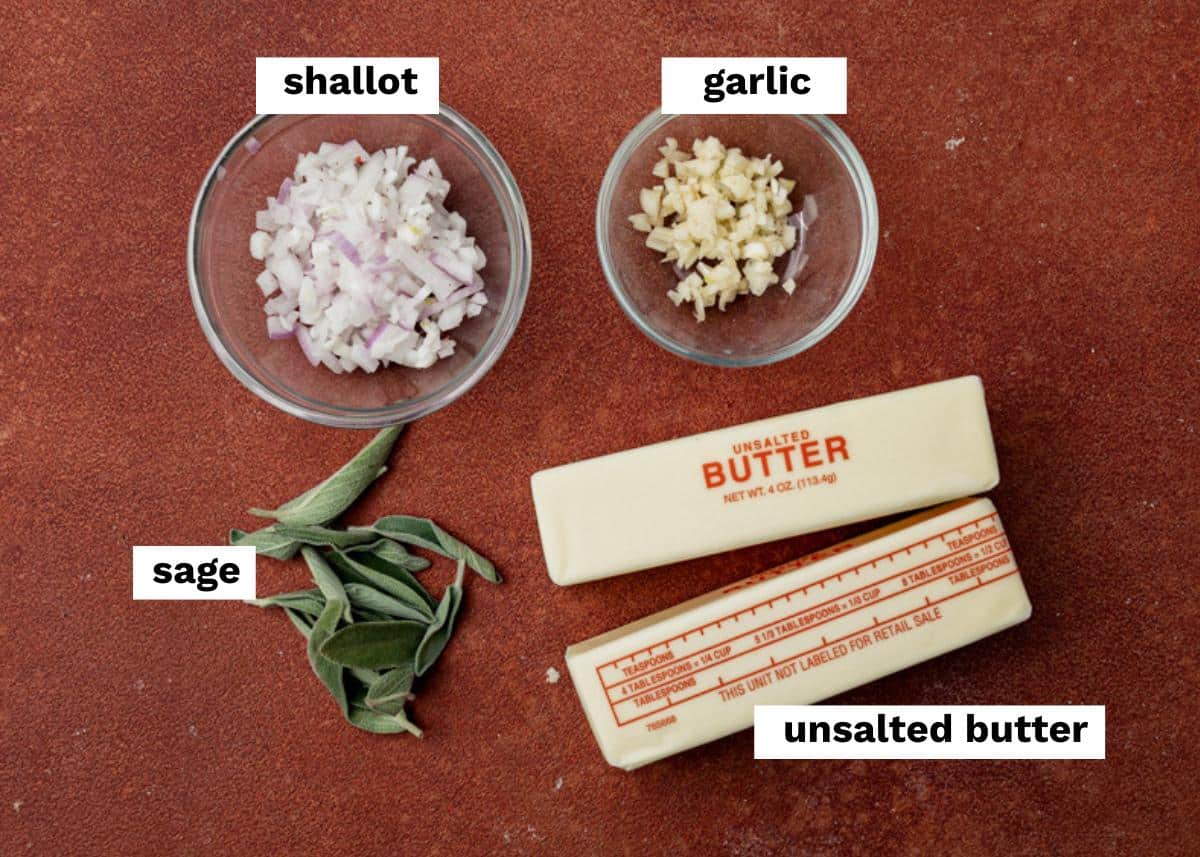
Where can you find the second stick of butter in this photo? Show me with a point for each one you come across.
(766, 480)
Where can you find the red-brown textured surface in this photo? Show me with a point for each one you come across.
(1054, 252)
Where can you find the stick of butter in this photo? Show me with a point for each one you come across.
(799, 633)
(766, 480)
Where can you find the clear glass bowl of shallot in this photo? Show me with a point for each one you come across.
(830, 265)
(229, 296)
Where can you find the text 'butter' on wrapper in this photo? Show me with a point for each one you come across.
(771, 479)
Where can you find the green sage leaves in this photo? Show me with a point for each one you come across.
(437, 634)
(391, 689)
(375, 645)
(322, 503)
(371, 627)
(424, 533)
(311, 534)
(266, 542)
(328, 671)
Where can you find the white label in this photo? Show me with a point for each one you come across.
(344, 85)
(929, 732)
(754, 85)
(191, 573)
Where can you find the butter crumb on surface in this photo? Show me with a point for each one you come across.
(552, 676)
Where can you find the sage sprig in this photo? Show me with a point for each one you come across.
(392, 688)
(437, 634)
(371, 627)
(367, 602)
(267, 542)
(368, 599)
(384, 562)
(381, 709)
(303, 623)
(409, 591)
(424, 533)
(324, 502)
(310, 602)
(312, 534)
(382, 724)
(391, 552)
(283, 541)
(328, 671)
(375, 645)
(328, 582)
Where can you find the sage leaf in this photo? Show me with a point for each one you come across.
(381, 724)
(310, 602)
(328, 582)
(388, 551)
(329, 672)
(389, 713)
(303, 622)
(363, 676)
(362, 614)
(369, 601)
(437, 635)
(374, 645)
(409, 591)
(390, 689)
(379, 563)
(325, 501)
(266, 542)
(423, 532)
(311, 534)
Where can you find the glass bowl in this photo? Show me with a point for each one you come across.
(229, 305)
(751, 331)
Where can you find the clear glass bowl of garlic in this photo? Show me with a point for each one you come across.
(824, 245)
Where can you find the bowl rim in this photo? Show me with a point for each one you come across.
(520, 250)
(865, 191)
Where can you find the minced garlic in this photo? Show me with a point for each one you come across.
(722, 216)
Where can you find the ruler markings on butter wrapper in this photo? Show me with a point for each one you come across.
(809, 610)
(672, 671)
(803, 590)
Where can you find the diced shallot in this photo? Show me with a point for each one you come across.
(414, 189)
(306, 344)
(276, 328)
(348, 249)
(423, 269)
(452, 266)
(363, 263)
